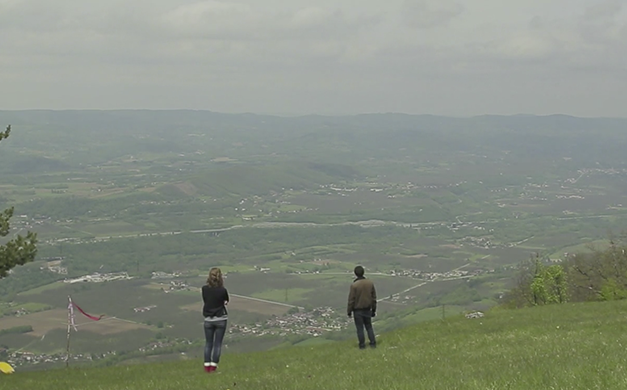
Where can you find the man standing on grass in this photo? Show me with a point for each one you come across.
(362, 306)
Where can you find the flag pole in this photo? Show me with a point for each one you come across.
(72, 324)
(69, 324)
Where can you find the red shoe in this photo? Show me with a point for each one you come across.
(210, 368)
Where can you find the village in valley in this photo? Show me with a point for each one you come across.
(312, 322)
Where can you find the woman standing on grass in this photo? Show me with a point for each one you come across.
(215, 298)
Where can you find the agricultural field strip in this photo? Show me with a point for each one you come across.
(83, 324)
(262, 225)
(248, 304)
(374, 273)
(57, 319)
(266, 301)
(270, 225)
(61, 322)
(262, 300)
(428, 281)
(340, 273)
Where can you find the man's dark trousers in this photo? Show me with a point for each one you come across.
(363, 318)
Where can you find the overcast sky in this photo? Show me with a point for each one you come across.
(450, 57)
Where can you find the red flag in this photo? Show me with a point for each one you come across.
(88, 315)
(71, 307)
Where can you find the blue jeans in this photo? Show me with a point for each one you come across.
(363, 319)
(214, 334)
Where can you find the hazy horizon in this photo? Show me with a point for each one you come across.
(441, 57)
(298, 115)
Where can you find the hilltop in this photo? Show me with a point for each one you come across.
(570, 346)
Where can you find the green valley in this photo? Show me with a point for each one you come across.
(132, 208)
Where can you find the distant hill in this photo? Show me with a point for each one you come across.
(99, 136)
(118, 121)
(571, 346)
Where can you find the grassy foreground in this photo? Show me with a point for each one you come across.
(573, 346)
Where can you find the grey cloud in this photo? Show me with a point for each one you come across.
(31, 16)
(603, 10)
(593, 41)
(536, 22)
(208, 31)
(206, 19)
(601, 23)
(229, 20)
(248, 55)
(430, 13)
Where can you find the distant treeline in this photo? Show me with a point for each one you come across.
(599, 275)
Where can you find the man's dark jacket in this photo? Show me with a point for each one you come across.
(362, 296)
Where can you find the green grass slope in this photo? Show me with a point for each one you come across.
(574, 346)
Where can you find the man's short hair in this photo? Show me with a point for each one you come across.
(359, 271)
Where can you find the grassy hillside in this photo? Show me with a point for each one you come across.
(574, 346)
